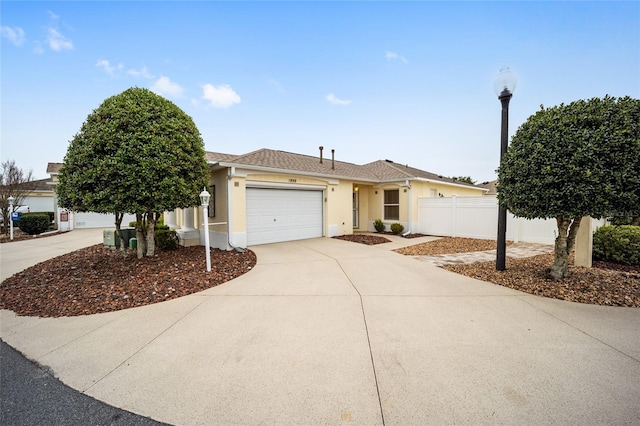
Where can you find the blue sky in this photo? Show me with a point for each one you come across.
(406, 81)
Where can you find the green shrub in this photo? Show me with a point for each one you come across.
(34, 223)
(397, 228)
(52, 215)
(159, 224)
(166, 239)
(619, 244)
(378, 225)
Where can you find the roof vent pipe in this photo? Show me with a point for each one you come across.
(333, 165)
(321, 148)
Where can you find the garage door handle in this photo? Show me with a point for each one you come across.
(274, 219)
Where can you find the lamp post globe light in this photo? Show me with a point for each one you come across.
(204, 200)
(11, 199)
(504, 85)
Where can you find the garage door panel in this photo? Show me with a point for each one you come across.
(275, 215)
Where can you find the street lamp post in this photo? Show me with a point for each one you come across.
(504, 86)
(204, 200)
(10, 199)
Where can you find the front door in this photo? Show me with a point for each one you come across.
(356, 214)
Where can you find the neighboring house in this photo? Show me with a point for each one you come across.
(269, 196)
(41, 198)
(490, 187)
(79, 220)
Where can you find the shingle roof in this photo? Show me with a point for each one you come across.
(283, 160)
(218, 156)
(53, 167)
(378, 171)
(491, 186)
(388, 170)
(43, 185)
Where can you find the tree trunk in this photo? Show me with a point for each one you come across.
(140, 235)
(151, 234)
(119, 217)
(565, 241)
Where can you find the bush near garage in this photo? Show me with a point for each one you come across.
(378, 225)
(166, 239)
(397, 228)
(159, 224)
(620, 244)
(34, 223)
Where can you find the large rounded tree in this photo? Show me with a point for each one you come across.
(574, 160)
(136, 153)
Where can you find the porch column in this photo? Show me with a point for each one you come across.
(188, 234)
(584, 243)
(188, 219)
(171, 220)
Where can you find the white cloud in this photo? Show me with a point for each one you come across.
(142, 72)
(106, 66)
(393, 55)
(53, 16)
(57, 41)
(333, 99)
(164, 86)
(222, 96)
(14, 35)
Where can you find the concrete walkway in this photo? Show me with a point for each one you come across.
(325, 331)
(515, 250)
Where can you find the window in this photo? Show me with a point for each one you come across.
(212, 201)
(392, 204)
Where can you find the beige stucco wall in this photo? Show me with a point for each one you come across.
(286, 179)
(339, 208)
(376, 204)
(238, 204)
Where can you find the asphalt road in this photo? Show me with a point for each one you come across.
(30, 395)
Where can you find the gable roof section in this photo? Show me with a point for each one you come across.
(53, 168)
(388, 170)
(219, 157)
(283, 161)
(378, 171)
(274, 160)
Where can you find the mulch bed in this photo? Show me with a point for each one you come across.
(609, 286)
(369, 240)
(605, 283)
(373, 239)
(449, 245)
(98, 279)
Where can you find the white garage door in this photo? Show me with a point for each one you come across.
(99, 220)
(275, 215)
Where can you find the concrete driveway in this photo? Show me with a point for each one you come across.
(329, 332)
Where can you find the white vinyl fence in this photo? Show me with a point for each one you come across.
(477, 217)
